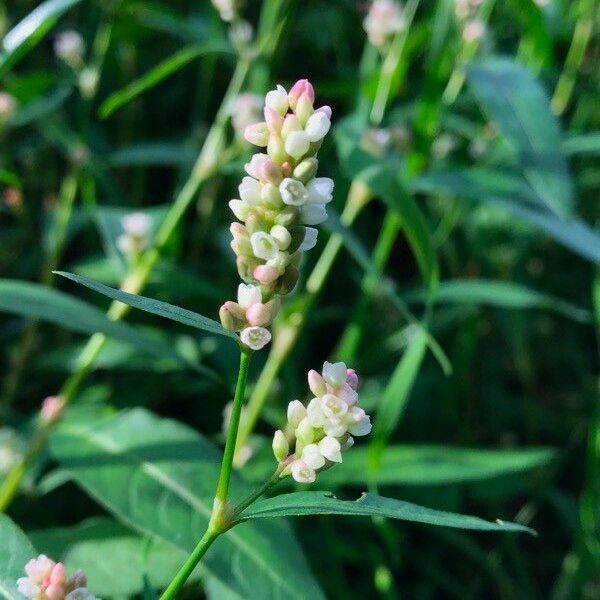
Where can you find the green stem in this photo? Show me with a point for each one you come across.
(188, 568)
(232, 433)
(352, 335)
(581, 37)
(221, 518)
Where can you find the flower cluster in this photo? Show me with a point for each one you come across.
(320, 431)
(279, 201)
(383, 21)
(47, 580)
(136, 234)
(466, 12)
(228, 9)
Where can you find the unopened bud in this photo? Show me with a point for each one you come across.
(304, 108)
(52, 409)
(276, 148)
(316, 383)
(257, 134)
(232, 316)
(296, 411)
(281, 447)
(306, 170)
(262, 315)
(266, 274)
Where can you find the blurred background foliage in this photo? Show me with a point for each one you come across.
(465, 293)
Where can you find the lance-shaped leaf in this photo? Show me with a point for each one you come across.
(159, 477)
(31, 30)
(518, 106)
(53, 306)
(15, 551)
(368, 505)
(156, 307)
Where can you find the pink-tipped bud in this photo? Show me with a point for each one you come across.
(300, 87)
(270, 172)
(52, 409)
(325, 109)
(55, 591)
(232, 316)
(352, 379)
(290, 124)
(273, 120)
(316, 383)
(304, 108)
(238, 230)
(58, 573)
(265, 274)
(262, 315)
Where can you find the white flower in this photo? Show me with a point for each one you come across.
(282, 235)
(297, 144)
(317, 126)
(264, 245)
(330, 448)
(295, 413)
(302, 473)
(312, 456)
(334, 373)
(248, 295)
(69, 47)
(363, 427)
(137, 224)
(334, 427)
(315, 415)
(313, 214)
(277, 100)
(348, 395)
(239, 208)
(310, 239)
(293, 192)
(253, 168)
(333, 407)
(257, 134)
(255, 338)
(250, 190)
(320, 190)
(383, 21)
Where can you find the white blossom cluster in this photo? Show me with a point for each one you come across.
(321, 431)
(383, 21)
(70, 48)
(47, 580)
(280, 200)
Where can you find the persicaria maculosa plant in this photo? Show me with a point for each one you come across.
(281, 200)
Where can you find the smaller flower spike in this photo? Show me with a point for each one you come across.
(278, 201)
(383, 21)
(317, 434)
(47, 580)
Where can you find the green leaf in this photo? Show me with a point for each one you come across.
(15, 552)
(481, 185)
(368, 505)
(164, 153)
(156, 307)
(36, 301)
(115, 559)
(158, 476)
(157, 74)
(434, 465)
(40, 107)
(396, 394)
(381, 176)
(518, 106)
(504, 294)
(30, 31)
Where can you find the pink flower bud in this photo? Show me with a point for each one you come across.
(352, 379)
(265, 274)
(301, 86)
(270, 172)
(262, 315)
(55, 591)
(52, 409)
(58, 573)
(273, 120)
